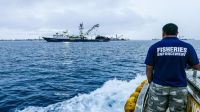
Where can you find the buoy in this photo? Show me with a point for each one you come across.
(139, 88)
(131, 102)
(135, 94)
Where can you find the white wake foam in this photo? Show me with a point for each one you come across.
(111, 97)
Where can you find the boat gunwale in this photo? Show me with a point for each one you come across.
(192, 87)
(192, 91)
(141, 102)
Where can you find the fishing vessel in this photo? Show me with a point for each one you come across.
(137, 102)
(82, 37)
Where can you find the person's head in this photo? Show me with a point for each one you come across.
(170, 30)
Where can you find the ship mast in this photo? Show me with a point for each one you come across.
(81, 31)
(81, 28)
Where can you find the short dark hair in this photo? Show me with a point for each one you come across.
(170, 29)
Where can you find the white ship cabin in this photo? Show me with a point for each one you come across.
(64, 35)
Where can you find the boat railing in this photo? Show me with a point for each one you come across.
(193, 77)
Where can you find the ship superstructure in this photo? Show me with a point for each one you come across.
(82, 37)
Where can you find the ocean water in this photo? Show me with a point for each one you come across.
(37, 76)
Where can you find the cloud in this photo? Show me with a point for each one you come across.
(136, 19)
(182, 12)
(35, 15)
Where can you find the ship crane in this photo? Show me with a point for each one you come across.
(83, 35)
(92, 28)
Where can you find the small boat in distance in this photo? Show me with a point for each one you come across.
(155, 39)
(118, 38)
(82, 37)
(184, 38)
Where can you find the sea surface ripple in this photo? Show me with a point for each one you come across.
(38, 76)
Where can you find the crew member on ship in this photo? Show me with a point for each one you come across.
(165, 69)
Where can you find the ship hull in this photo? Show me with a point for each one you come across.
(75, 40)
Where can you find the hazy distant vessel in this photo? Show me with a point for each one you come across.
(187, 39)
(155, 39)
(180, 37)
(65, 37)
(118, 38)
(183, 38)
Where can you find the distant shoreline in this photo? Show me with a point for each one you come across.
(43, 40)
(21, 39)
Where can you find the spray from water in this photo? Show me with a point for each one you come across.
(111, 97)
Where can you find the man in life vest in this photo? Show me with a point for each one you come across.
(165, 69)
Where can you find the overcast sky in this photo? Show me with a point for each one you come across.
(135, 19)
